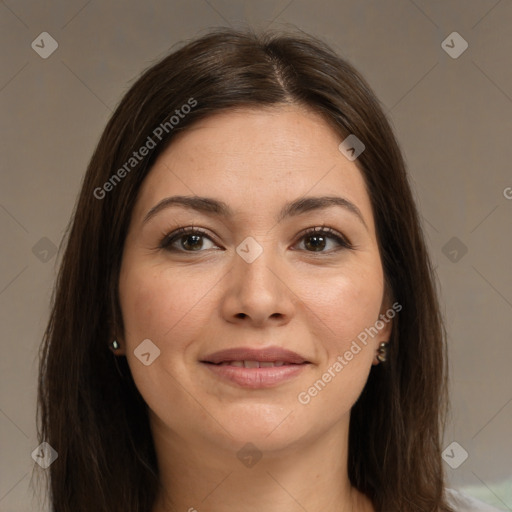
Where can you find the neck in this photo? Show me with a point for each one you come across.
(196, 475)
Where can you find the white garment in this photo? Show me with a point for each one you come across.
(464, 503)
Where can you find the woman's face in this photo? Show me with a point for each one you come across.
(250, 277)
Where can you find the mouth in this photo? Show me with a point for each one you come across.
(255, 368)
(272, 354)
(253, 364)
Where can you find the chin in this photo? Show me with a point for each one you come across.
(267, 427)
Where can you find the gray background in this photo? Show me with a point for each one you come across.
(452, 117)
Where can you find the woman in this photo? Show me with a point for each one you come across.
(246, 245)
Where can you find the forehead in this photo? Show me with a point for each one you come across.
(283, 134)
(256, 159)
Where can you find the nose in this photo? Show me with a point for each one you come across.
(259, 292)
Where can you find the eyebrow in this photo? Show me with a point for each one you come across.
(221, 209)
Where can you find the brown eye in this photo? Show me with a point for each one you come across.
(185, 240)
(316, 240)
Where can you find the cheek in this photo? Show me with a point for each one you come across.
(346, 304)
(160, 305)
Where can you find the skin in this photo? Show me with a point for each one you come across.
(193, 303)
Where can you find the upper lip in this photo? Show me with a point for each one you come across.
(268, 354)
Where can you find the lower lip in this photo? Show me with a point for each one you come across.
(256, 378)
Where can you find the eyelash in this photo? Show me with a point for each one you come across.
(323, 230)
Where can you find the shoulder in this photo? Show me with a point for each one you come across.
(461, 502)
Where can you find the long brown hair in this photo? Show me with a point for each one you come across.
(90, 411)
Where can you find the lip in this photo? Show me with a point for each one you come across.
(260, 377)
(267, 354)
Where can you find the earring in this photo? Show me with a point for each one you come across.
(115, 345)
(382, 352)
